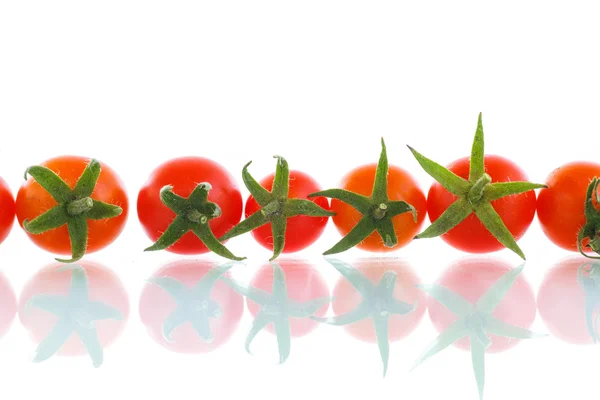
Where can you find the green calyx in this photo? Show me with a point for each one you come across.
(378, 210)
(276, 206)
(474, 195)
(192, 214)
(591, 229)
(75, 206)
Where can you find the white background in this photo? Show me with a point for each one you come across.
(319, 82)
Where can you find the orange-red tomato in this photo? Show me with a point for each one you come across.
(471, 278)
(560, 207)
(7, 210)
(346, 298)
(562, 300)
(156, 306)
(471, 235)
(103, 286)
(401, 186)
(33, 200)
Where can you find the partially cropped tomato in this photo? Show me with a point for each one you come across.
(517, 211)
(470, 279)
(400, 186)
(183, 175)
(302, 230)
(560, 207)
(346, 298)
(33, 200)
(304, 284)
(8, 305)
(7, 210)
(565, 302)
(74, 309)
(187, 308)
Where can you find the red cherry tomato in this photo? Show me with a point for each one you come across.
(401, 186)
(303, 282)
(471, 279)
(561, 302)
(184, 174)
(33, 200)
(560, 207)
(301, 230)
(7, 210)
(8, 305)
(156, 305)
(103, 286)
(470, 235)
(346, 298)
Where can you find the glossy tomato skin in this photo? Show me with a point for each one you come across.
(304, 283)
(156, 305)
(7, 210)
(470, 235)
(561, 303)
(401, 186)
(346, 298)
(471, 278)
(560, 207)
(103, 286)
(184, 174)
(301, 230)
(33, 200)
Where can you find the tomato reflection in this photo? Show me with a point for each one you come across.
(8, 305)
(188, 308)
(74, 309)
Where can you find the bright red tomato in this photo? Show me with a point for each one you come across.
(401, 186)
(303, 282)
(346, 298)
(184, 174)
(8, 305)
(103, 286)
(560, 207)
(470, 235)
(301, 230)
(33, 200)
(471, 279)
(561, 302)
(7, 210)
(156, 305)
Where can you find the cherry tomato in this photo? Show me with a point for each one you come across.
(157, 305)
(471, 279)
(401, 186)
(8, 305)
(560, 207)
(7, 210)
(301, 230)
(470, 235)
(562, 300)
(33, 200)
(56, 279)
(184, 174)
(304, 283)
(346, 298)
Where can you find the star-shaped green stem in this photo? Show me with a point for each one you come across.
(277, 207)
(378, 304)
(475, 321)
(591, 229)
(194, 304)
(474, 195)
(277, 308)
(377, 210)
(75, 206)
(192, 214)
(588, 276)
(76, 314)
